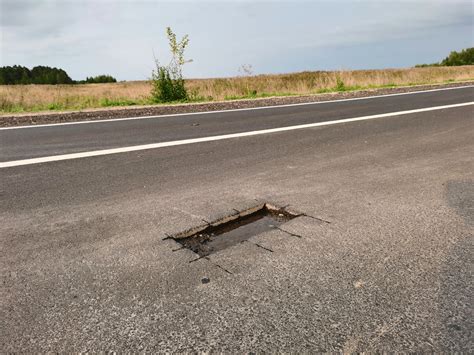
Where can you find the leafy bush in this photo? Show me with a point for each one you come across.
(168, 82)
(167, 87)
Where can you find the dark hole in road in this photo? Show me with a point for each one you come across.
(221, 236)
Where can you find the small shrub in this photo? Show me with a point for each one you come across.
(340, 84)
(167, 80)
(167, 87)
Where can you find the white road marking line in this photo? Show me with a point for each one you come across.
(233, 110)
(96, 153)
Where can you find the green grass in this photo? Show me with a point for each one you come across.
(117, 102)
(254, 95)
(55, 106)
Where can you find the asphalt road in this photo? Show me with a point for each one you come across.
(85, 263)
(26, 143)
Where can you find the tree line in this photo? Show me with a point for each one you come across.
(99, 79)
(463, 57)
(19, 75)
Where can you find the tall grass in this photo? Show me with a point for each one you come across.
(26, 98)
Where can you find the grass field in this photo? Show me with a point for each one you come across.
(33, 98)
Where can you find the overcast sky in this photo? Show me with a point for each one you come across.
(119, 37)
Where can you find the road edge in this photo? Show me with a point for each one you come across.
(205, 107)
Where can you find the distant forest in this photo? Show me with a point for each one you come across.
(19, 75)
(464, 57)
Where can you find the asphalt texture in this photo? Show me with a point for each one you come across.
(62, 139)
(382, 260)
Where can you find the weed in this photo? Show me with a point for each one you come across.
(340, 84)
(168, 82)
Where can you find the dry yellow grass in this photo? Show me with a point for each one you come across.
(24, 98)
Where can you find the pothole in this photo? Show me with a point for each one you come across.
(234, 229)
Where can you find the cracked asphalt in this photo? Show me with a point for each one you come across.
(86, 265)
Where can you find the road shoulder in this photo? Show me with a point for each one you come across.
(157, 110)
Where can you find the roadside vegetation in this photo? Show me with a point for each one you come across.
(168, 86)
(31, 98)
(167, 80)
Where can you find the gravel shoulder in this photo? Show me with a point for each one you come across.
(156, 110)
